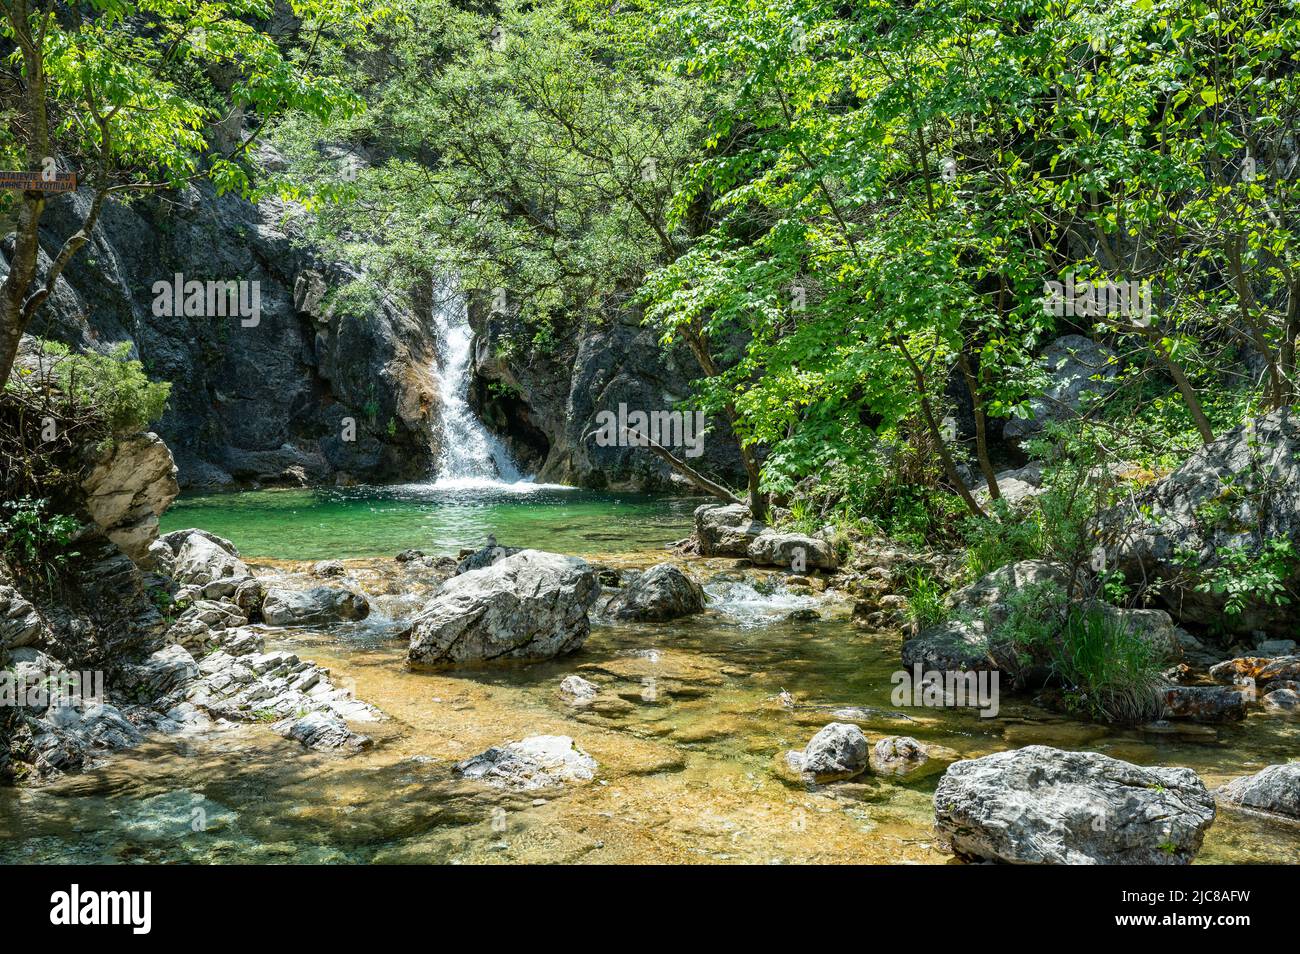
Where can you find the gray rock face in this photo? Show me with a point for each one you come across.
(162, 672)
(317, 606)
(545, 405)
(1236, 492)
(536, 762)
(1275, 791)
(838, 751)
(127, 487)
(793, 551)
(725, 529)
(1040, 805)
(264, 402)
(661, 593)
(1075, 366)
(529, 606)
(20, 623)
(206, 561)
(322, 731)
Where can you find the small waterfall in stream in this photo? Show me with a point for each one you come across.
(471, 457)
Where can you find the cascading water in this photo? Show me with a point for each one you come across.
(471, 456)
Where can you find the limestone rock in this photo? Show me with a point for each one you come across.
(1040, 805)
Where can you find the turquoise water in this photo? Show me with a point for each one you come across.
(354, 522)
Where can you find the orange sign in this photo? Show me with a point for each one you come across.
(36, 182)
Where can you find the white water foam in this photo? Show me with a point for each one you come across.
(472, 460)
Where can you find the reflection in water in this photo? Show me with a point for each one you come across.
(691, 771)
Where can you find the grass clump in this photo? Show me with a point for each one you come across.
(1108, 670)
(925, 602)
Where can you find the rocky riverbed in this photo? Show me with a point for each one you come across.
(656, 742)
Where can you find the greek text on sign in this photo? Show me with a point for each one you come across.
(37, 182)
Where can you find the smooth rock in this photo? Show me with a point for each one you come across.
(316, 606)
(1274, 791)
(529, 606)
(662, 593)
(1040, 805)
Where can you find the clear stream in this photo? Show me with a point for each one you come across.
(689, 730)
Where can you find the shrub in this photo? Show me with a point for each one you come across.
(1109, 671)
(113, 387)
(33, 540)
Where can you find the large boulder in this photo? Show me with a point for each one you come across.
(320, 605)
(1235, 494)
(538, 761)
(530, 606)
(127, 486)
(1076, 367)
(206, 561)
(726, 529)
(1040, 805)
(1274, 791)
(661, 593)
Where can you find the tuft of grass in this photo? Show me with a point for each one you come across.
(1006, 537)
(925, 605)
(1113, 673)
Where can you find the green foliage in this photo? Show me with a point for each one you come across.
(925, 599)
(34, 540)
(1249, 576)
(1007, 538)
(113, 387)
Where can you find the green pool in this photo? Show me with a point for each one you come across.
(343, 523)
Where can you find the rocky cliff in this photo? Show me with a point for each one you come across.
(546, 404)
(312, 388)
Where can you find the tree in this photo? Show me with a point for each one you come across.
(143, 95)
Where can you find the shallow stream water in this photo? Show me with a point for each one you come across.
(689, 729)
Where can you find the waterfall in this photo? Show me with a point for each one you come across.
(471, 455)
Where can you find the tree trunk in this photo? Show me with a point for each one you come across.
(981, 427)
(22, 272)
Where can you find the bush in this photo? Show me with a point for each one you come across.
(1109, 672)
(33, 540)
(114, 387)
